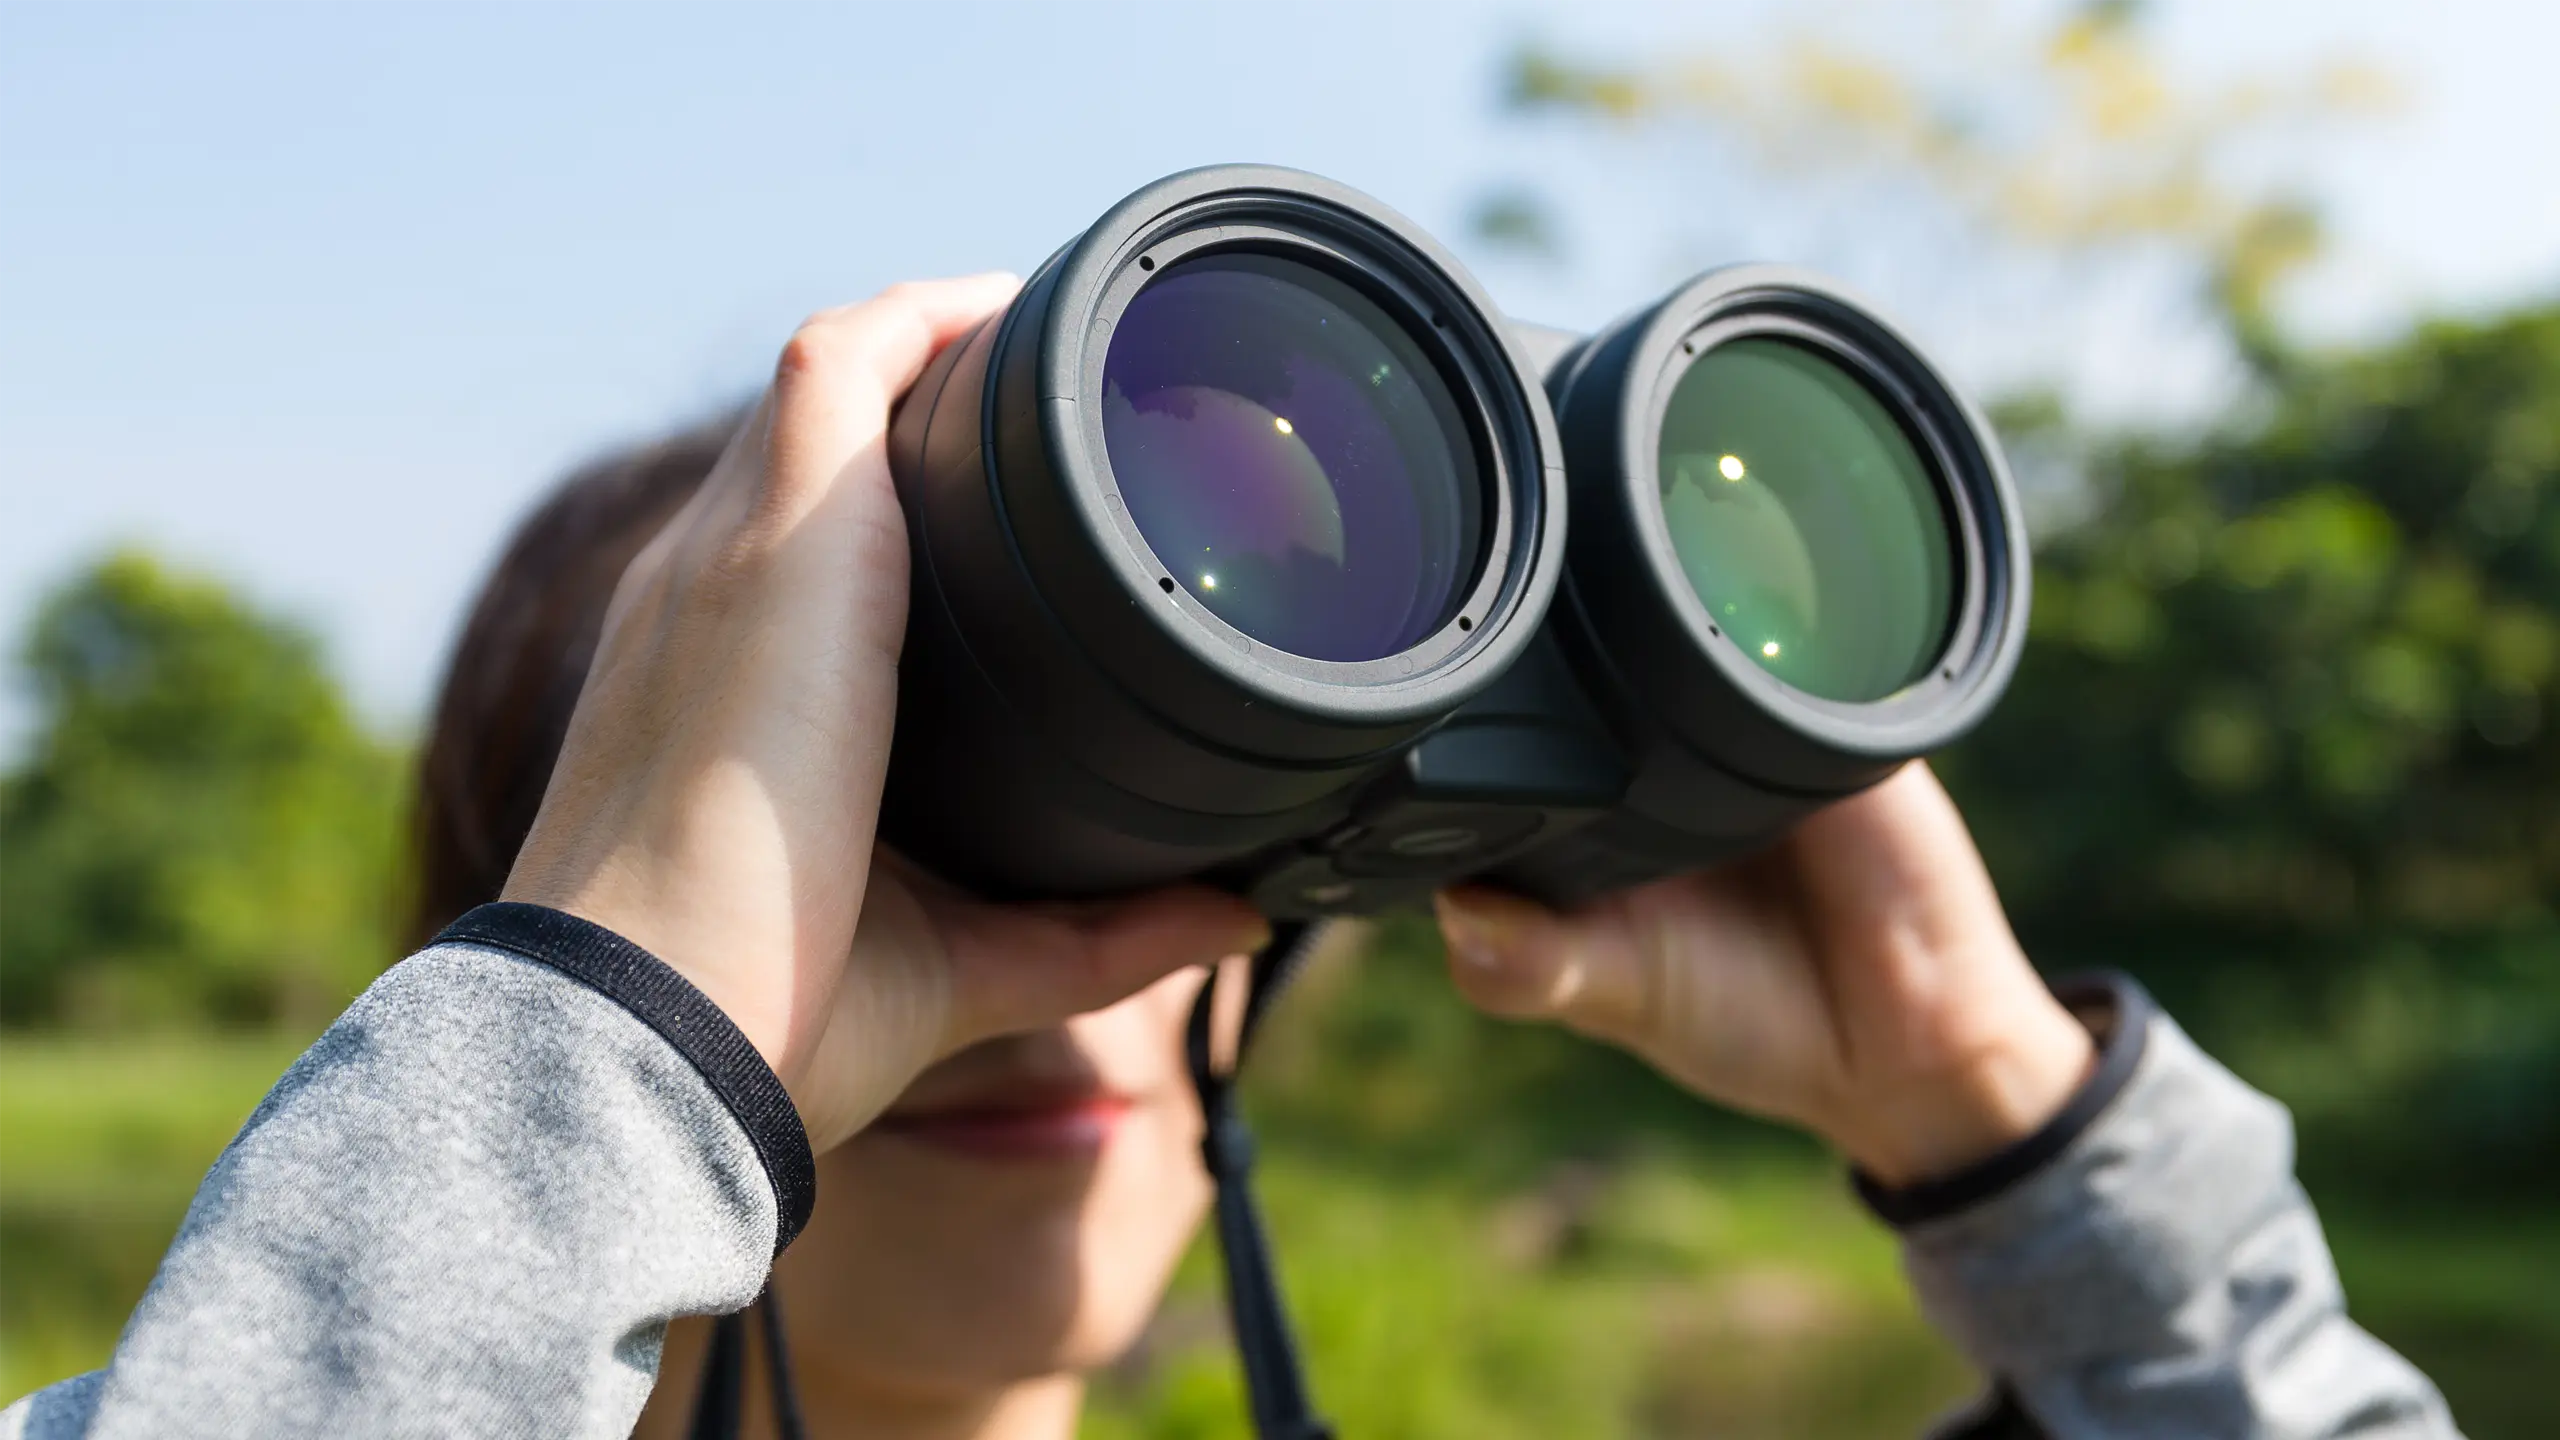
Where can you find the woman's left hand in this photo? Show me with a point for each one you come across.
(1858, 978)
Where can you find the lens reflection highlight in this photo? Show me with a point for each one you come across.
(1806, 520)
(1278, 438)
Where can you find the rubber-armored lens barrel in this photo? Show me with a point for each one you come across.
(1806, 520)
(1292, 456)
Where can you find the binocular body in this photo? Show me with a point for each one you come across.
(1251, 544)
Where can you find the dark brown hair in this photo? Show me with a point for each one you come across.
(515, 672)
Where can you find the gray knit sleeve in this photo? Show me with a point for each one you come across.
(2163, 1275)
(470, 1209)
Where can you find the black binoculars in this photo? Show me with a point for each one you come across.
(1252, 544)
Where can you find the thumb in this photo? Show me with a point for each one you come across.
(1019, 970)
(1518, 959)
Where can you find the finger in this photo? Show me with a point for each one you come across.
(1232, 996)
(842, 369)
(1017, 970)
(1897, 858)
(1515, 958)
(1887, 839)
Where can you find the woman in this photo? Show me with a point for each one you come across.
(475, 1205)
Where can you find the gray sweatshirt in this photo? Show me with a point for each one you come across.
(473, 1206)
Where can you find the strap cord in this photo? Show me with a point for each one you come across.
(1275, 1381)
(719, 1407)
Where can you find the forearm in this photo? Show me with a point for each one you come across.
(2159, 1272)
(471, 1208)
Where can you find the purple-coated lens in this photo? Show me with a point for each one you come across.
(1292, 456)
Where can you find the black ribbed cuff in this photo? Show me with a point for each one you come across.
(2117, 1012)
(685, 1017)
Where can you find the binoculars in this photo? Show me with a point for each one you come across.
(1252, 544)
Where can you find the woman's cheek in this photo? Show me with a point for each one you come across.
(1149, 1204)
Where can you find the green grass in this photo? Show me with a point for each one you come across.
(1493, 1230)
(1650, 1300)
(101, 1144)
(1705, 1281)
(1689, 1301)
(2473, 1298)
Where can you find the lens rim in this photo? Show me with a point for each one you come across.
(1304, 219)
(1452, 418)
(1649, 626)
(1903, 405)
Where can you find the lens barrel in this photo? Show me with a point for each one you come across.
(1796, 562)
(1248, 489)
(1240, 553)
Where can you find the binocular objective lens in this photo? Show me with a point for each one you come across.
(1806, 520)
(1292, 456)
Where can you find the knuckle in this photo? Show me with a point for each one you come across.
(899, 313)
(845, 347)
(1505, 985)
(814, 347)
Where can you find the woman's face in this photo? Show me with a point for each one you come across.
(1015, 1214)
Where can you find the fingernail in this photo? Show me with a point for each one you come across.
(1474, 938)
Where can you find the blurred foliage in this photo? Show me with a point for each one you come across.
(1583, 1289)
(1488, 1229)
(1518, 218)
(201, 831)
(2085, 140)
(102, 1142)
(2286, 738)
(1637, 1265)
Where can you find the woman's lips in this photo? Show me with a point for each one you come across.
(1027, 1128)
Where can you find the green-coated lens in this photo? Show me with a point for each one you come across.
(1806, 520)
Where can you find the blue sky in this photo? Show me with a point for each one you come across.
(319, 297)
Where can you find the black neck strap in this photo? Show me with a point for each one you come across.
(719, 1407)
(1274, 1381)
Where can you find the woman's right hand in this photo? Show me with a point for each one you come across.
(717, 793)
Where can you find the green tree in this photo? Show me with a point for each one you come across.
(2286, 740)
(201, 830)
(2287, 734)
(2069, 138)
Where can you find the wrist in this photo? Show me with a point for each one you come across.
(1926, 1126)
(678, 939)
(657, 996)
